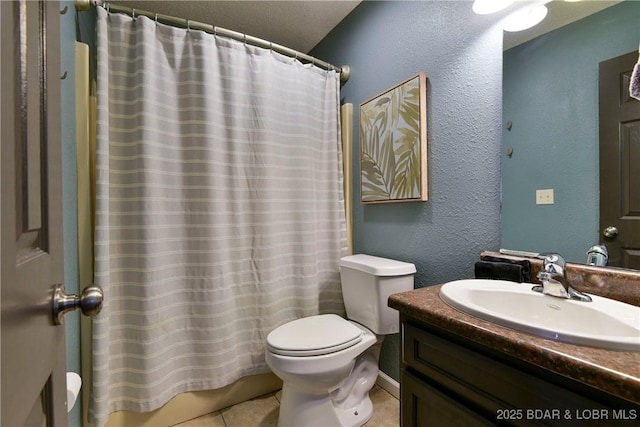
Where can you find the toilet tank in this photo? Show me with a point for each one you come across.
(367, 281)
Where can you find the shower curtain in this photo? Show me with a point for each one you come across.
(219, 208)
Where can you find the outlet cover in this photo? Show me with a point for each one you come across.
(544, 197)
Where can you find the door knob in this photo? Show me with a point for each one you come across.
(610, 232)
(89, 301)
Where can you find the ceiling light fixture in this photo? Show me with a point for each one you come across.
(485, 7)
(525, 18)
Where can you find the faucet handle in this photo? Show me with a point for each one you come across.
(555, 259)
(554, 264)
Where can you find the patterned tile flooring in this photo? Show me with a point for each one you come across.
(263, 412)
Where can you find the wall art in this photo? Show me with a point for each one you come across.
(393, 144)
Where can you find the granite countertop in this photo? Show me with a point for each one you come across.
(616, 372)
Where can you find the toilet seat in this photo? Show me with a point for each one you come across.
(314, 336)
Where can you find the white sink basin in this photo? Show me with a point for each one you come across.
(603, 323)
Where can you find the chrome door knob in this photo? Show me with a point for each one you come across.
(610, 232)
(89, 302)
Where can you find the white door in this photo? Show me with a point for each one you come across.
(33, 349)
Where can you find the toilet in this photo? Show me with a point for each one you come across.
(327, 363)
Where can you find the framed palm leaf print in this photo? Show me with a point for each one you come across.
(393, 144)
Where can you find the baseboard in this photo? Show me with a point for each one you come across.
(390, 385)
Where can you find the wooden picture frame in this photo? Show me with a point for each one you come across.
(393, 144)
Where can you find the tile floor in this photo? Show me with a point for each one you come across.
(263, 412)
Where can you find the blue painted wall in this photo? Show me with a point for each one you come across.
(551, 97)
(461, 54)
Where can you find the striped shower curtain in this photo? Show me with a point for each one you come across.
(219, 208)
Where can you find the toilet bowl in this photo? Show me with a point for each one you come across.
(329, 364)
(309, 379)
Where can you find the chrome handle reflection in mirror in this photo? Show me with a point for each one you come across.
(598, 255)
(89, 302)
(610, 232)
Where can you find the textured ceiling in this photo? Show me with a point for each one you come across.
(302, 24)
(560, 13)
(299, 25)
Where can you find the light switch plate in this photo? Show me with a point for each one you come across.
(544, 197)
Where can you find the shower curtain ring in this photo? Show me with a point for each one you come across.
(133, 14)
(156, 18)
(188, 25)
(215, 30)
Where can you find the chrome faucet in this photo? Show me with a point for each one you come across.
(554, 281)
(598, 256)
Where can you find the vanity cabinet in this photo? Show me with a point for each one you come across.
(448, 380)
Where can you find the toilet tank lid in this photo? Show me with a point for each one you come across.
(377, 266)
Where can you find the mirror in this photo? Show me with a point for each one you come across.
(550, 129)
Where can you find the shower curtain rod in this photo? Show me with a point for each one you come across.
(344, 71)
